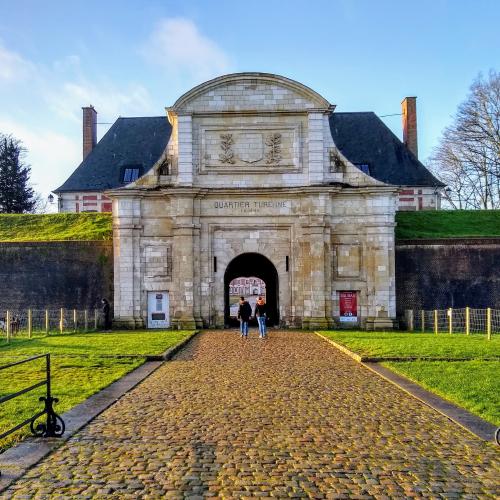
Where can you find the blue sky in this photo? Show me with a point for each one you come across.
(133, 58)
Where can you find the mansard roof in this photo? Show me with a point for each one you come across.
(139, 142)
(130, 142)
(363, 138)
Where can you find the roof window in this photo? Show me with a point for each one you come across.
(130, 174)
(364, 167)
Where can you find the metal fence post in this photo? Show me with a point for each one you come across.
(7, 319)
(61, 321)
(435, 321)
(488, 323)
(96, 320)
(450, 320)
(30, 323)
(86, 320)
(422, 320)
(46, 321)
(74, 320)
(467, 321)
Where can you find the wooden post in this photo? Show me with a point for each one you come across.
(86, 320)
(435, 321)
(46, 321)
(74, 320)
(422, 320)
(488, 323)
(7, 320)
(467, 321)
(96, 319)
(409, 319)
(450, 320)
(61, 321)
(30, 323)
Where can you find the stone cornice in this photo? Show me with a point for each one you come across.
(203, 192)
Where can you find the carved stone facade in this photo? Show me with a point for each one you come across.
(255, 186)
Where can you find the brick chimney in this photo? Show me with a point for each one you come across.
(409, 111)
(89, 129)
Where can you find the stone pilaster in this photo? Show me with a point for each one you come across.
(183, 249)
(185, 145)
(316, 147)
(127, 230)
(315, 289)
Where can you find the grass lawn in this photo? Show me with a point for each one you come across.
(425, 345)
(447, 224)
(119, 343)
(473, 385)
(55, 227)
(82, 364)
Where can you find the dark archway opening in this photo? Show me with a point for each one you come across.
(247, 265)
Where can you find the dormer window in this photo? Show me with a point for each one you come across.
(130, 174)
(364, 167)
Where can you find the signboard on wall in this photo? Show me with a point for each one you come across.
(158, 310)
(348, 304)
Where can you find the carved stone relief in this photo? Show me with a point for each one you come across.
(226, 143)
(273, 143)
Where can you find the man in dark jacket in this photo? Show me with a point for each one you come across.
(106, 312)
(244, 313)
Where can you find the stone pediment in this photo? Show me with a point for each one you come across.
(242, 92)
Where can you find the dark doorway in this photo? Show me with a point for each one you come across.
(247, 265)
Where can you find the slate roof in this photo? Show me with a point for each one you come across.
(133, 142)
(364, 138)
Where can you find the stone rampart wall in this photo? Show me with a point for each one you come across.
(437, 274)
(69, 274)
(429, 274)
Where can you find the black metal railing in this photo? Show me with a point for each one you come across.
(54, 425)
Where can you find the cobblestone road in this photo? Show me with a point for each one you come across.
(285, 417)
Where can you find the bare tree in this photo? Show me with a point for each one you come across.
(468, 156)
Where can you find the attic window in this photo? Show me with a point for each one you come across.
(130, 174)
(364, 167)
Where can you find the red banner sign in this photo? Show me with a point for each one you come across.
(348, 306)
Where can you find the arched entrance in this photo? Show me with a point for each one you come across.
(253, 264)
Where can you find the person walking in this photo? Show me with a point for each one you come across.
(244, 313)
(261, 315)
(106, 311)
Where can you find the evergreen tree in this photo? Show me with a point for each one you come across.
(16, 195)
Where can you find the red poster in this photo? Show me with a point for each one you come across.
(348, 306)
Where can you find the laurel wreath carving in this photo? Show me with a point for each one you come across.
(227, 155)
(273, 154)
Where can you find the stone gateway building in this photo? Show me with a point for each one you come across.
(259, 178)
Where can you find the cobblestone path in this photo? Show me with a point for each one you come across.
(285, 417)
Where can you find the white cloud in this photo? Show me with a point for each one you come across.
(51, 155)
(13, 67)
(110, 102)
(178, 46)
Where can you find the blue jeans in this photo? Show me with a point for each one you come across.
(244, 328)
(262, 325)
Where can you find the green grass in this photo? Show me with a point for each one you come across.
(73, 380)
(55, 227)
(465, 369)
(447, 224)
(98, 226)
(470, 384)
(420, 345)
(118, 343)
(82, 364)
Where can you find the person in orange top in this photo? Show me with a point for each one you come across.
(261, 315)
